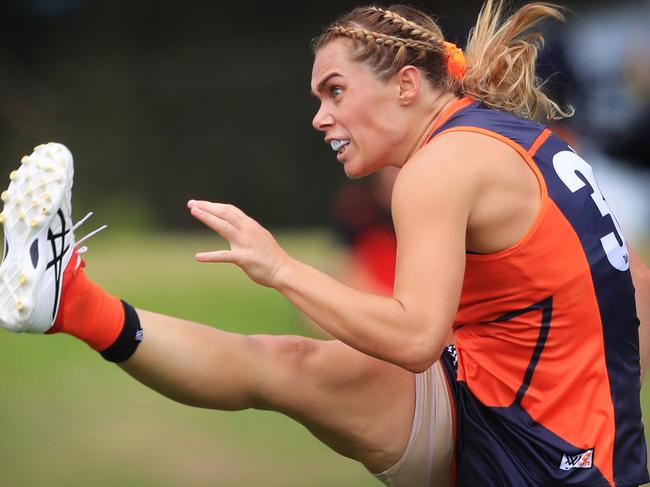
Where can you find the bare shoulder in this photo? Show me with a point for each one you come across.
(475, 178)
(472, 180)
(455, 163)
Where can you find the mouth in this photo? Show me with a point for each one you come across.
(340, 146)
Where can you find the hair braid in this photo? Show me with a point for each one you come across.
(409, 27)
(380, 38)
(389, 39)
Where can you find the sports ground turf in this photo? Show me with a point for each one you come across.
(68, 419)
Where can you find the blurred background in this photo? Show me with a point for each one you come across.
(164, 101)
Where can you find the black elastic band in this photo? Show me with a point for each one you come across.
(129, 338)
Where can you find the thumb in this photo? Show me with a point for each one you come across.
(216, 256)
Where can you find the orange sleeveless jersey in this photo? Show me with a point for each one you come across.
(546, 378)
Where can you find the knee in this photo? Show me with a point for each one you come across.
(286, 351)
(317, 361)
(296, 368)
(287, 365)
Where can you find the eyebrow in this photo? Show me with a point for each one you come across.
(319, 86)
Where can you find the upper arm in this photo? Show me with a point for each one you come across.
(432, 200)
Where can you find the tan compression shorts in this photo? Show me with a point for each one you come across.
(427, 458)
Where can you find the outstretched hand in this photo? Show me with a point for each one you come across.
(252, 247)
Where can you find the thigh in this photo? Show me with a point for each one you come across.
(361, 407)
(427, 459)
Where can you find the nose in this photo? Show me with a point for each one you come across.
(322, 119)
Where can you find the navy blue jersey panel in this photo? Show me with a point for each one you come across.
(505, 124)
(615, 295)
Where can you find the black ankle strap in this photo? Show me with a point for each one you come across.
(128, 340)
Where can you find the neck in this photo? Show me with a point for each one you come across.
(434, 111)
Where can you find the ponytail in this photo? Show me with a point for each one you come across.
(501, 54)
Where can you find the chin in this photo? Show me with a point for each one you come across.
(355, 175)
(356, 172)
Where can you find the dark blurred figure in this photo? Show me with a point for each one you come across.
(362, 219)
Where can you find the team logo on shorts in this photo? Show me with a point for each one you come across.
(451, 350)
(581, 460)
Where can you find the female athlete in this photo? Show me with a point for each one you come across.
(503, 238)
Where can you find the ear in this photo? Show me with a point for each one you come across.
(408, 84)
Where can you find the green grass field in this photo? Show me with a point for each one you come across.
(69, 419)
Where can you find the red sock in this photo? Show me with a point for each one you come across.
(86, 311)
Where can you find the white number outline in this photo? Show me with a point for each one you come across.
(567, 165)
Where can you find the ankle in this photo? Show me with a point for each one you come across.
(104, 322)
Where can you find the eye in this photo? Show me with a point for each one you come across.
(335, 91)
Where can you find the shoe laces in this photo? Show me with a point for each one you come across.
(83, 249)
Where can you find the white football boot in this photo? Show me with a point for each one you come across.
(39, 239)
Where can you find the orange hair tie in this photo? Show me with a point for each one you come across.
(456, 62)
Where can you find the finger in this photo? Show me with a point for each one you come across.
(219, 225)
(227, 212)
(216, 256)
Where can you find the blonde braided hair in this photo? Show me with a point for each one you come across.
(501, 52)
(415, 38)
(379, 38)
(409, 27)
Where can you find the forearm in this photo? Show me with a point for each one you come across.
(376, 325)
(408, 329)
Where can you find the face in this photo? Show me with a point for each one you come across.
(359, 114)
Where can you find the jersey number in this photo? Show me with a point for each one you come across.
(568, 165)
